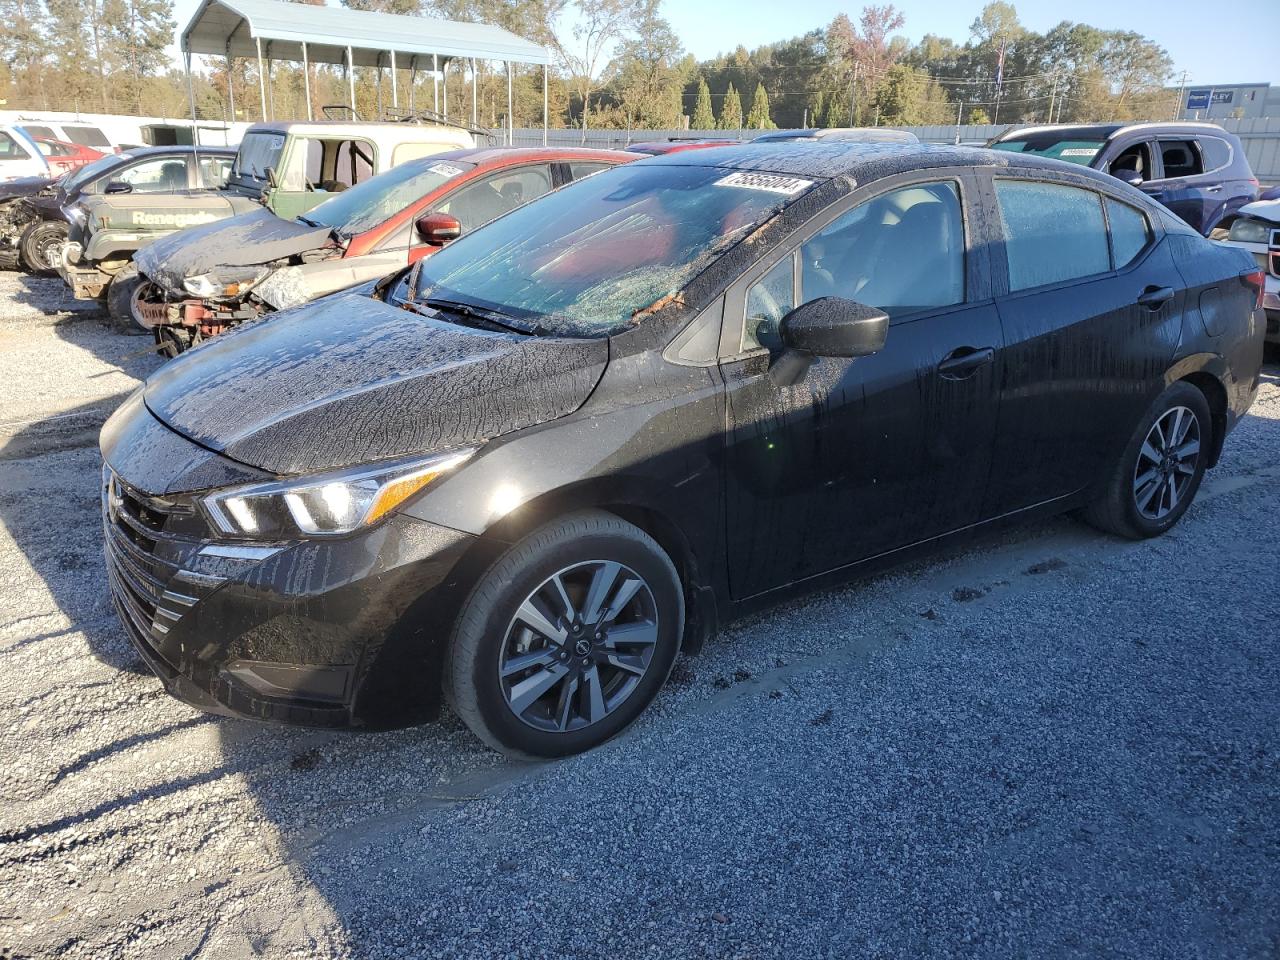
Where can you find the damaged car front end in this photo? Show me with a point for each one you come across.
(1257, 230)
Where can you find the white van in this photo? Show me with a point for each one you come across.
(19, 155)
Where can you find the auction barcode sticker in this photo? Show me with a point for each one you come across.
(445, 169)
(771, 182)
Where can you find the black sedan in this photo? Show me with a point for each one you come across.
(530, 471)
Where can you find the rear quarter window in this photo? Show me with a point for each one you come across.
(1053, 232)
(86, 136)
(1217, 152)
(1130, 232)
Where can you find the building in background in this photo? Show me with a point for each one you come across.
(1227, 101)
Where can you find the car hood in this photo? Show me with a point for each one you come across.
(258, 236)
(1268, 210)
(350, 380)
(24, 186)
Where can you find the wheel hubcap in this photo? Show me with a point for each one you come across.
(1166, 463)
(578, 646)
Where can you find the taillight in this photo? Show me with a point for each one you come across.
(1257, 280)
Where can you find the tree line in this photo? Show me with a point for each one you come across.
(619, 64)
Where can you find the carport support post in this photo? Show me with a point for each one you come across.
(191, 100)
(231, 83)
(351, 79)
(475, 103)
(395, 95)
(262, 80)
(306, 77)
(511, 127)
(435, 82)
(544, 104)
(413, 79)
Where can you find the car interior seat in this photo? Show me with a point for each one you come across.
(173, 176)
(900, 275)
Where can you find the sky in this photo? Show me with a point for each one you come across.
(1241, 48)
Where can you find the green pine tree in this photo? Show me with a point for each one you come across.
(731, 110)
(758, 117)
(703, 118)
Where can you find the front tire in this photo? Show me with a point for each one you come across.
(39, 244)
(122, 298)
(1157, 476)
(567, 638)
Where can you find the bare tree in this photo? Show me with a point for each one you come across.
(601, 24)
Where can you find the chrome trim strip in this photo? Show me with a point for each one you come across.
(235, 552)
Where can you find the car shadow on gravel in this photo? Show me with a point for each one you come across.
(50, 505)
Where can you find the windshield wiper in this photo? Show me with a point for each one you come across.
(308, 221)
(489, 315)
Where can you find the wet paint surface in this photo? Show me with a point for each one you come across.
(350, 380)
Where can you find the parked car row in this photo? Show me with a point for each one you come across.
(624, 400)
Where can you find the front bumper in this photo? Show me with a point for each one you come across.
(341, 632)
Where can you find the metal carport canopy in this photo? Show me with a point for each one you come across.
(235, 27)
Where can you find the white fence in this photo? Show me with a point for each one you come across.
(1261, 138)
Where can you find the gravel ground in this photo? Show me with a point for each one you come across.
(1052, 744)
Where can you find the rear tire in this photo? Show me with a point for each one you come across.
(582, 684)
(38, 244)
(1157, 476)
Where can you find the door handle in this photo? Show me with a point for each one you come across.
(1217, 188)
(1153, 298)
(963, 362)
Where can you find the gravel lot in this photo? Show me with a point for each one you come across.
(1053, 744)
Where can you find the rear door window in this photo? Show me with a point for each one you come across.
(579, 169)
(353, 162)
(214, 170)
(1180, 158)
(46, 132)
(1053, 232)
(477, 203)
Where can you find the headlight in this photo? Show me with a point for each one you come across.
(323, 506)
(1249, 231)
(224, 283)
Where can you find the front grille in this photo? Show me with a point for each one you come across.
(147, 541)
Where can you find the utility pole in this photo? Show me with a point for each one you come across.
(959, 117)
(853, 91)
(1053, 95)
(1182, 92)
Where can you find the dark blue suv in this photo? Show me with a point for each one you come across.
(1197, 170)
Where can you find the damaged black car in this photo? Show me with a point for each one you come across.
(36, 218)
(527, 473)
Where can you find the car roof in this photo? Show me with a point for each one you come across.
(178, 149)
(863, 162)
(505, 155)
(1105, 131)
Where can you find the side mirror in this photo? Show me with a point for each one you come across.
(438, 228)
(118, 186)
(827, 327)
(1131, 177)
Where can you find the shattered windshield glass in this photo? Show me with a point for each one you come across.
(1053, 145)
(587, 259)
(257, 152)
(368, 204)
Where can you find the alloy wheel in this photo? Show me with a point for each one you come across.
(578, 646)
(1166, 464)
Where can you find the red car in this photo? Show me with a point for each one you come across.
(64, 157)
(656, 148)
(198, 282)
